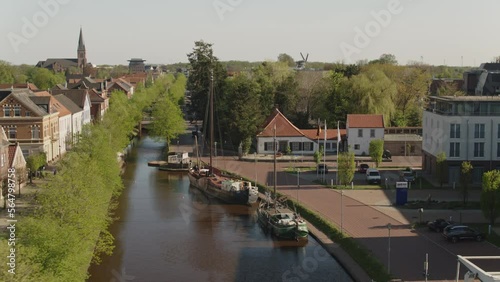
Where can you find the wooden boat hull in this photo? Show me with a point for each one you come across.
(203, 183)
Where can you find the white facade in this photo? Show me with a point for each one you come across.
(359, 139)
(471, 138)
(65, 132)
(86, 110)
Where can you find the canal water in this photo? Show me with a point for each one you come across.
(169, 231)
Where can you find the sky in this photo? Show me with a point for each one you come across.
(450, 32)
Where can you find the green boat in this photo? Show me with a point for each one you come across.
(282, 222)
(276, 217)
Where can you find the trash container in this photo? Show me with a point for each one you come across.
(401, 193)
(401, 196)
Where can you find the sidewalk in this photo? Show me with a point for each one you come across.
(365, 215)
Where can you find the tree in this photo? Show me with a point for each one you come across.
(6, 75)
(376, 150)
(490, 196)
(35, 162)
(287, 59)
(242, 114)
(389, 59)
(465, 180)
(45, 79)
(318, 155)
(372, 93)
(204, 67)
(168, 121)
(347, 167)
(331, 98)
(441, 162)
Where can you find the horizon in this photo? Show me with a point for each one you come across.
(252, 31)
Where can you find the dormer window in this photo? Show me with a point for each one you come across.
(17, 111)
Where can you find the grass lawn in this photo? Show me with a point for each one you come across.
(293, 170)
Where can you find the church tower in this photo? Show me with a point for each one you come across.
(82, 55)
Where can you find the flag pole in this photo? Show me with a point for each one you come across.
(324, 157)
(338, 141)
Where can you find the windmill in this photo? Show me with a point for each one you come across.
(300, 65)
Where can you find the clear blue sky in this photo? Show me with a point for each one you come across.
(255, 30)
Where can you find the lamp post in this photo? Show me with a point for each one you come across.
(255, 157)
(298, 183)
(215, 152)
(341, 211)
(389, 250)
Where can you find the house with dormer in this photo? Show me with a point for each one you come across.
(361, 130)
(300, 141)
(31, 121)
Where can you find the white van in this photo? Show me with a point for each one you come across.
(372, 176)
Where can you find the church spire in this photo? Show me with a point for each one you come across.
(82, 54)
(81, 44)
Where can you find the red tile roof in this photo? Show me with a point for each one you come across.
(284, 128)
(365, 121)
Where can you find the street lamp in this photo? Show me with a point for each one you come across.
(341, 211)
(215, 152)
(298, 183)
(255, 157)
(389, 250)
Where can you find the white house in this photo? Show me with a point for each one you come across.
(464, 128)
(361, 130)
(300, 141)
(73, 126)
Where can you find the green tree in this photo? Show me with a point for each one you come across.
(318, 155)
(372, 93)
(168, 121)
(490, 196)
(331, 99)
(389, 59)
(465, 180)
(441, 163)
(242, 112)
(45, 79)
(376, 150)
(6, 73)
(287, 59)
(347, 167)
(204, 66)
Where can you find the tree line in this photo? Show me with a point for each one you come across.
(69, 226)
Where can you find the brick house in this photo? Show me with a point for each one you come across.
(31, 121)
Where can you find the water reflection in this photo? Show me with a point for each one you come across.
(169, 231)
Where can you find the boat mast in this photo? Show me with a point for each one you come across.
(275, 152)
(211, 118)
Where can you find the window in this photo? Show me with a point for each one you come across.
(498, 149)
(17, 111)
(308, 146)
(498, 131)
(12, 133)
(35, 132)
(6, 111)
(356, 146)
(3, 160)
(372, 133)
(295, 146)
(478, 149)
(454, 149)
(360, 132)
(268, 146)
(479, 130)
(454, 130)
(328, 146)
(28, 113)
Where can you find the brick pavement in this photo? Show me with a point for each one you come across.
(366, 221)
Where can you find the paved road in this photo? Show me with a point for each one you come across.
(365, 214)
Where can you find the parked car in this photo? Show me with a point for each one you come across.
(406, 176)
(322, 168)
(372, 176)
(363, 167)
(439, 224)
(455, 233)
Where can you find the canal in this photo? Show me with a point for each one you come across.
(168, 231)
